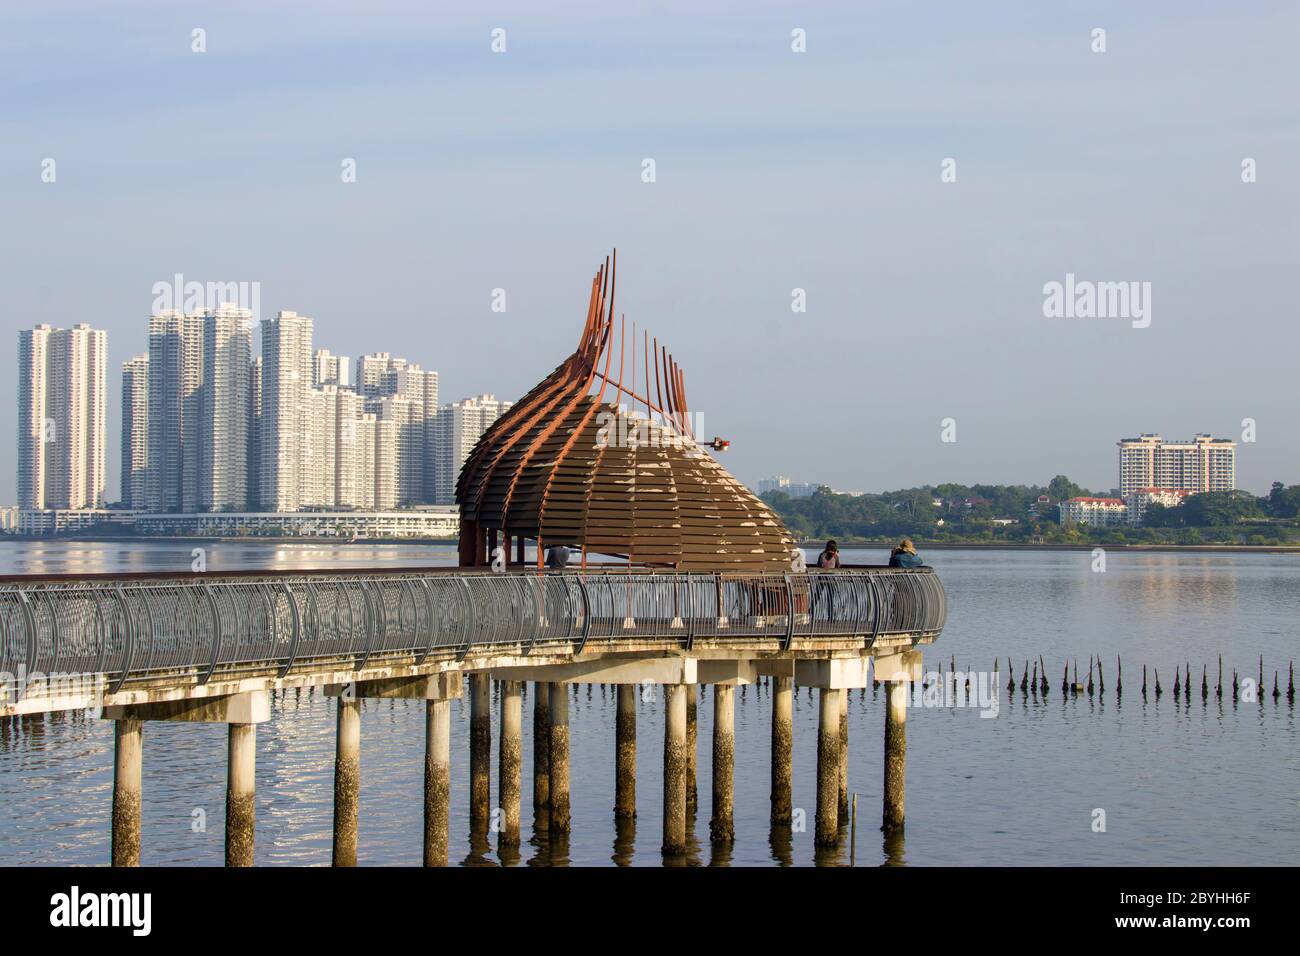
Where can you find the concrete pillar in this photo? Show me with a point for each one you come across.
(843, 802)
(347, 781)
(675, 768)
(541, 754)
(480, 751)
(692, 789)
(559, 759)
(241, 812)
(722, 827)
(509, 758)
(437, 780)
(782, 736)
(127, 759)
(828, 768)
(895, 756)
(625, 753)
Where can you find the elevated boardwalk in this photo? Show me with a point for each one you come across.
(213, 647)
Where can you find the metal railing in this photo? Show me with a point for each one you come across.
(134, 627)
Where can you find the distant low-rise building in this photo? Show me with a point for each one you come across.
(1143, 498)
(1098, 512)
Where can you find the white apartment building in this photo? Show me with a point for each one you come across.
(223, 428)
(175, 411)
(1142, 498)
(1098, 512)
(1200, 465)
(456, 429)
(286, 384)
(331, 369)
(135, 431)
(61, 417)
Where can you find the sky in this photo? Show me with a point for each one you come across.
(774, 170)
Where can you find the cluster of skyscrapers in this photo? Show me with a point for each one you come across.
(209, 427)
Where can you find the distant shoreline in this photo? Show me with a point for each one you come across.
(810, 544)
(1027, 546)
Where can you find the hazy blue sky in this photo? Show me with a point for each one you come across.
(775, 170)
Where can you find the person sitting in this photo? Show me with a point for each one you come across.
(904, 556)
(830, 556)
(557, 557)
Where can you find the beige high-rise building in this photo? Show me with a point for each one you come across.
(135, 431)
(331, 369)
(456, 427)
(61, 417)
(1200, 465)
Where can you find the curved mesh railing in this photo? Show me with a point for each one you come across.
(127, 628)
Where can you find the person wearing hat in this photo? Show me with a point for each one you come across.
(904, 556)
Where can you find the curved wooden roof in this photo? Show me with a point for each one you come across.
(586, 460)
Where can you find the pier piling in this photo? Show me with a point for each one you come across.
(347, 780)
(541, 756)
(509, 760)
(895, 758)
(437, 780)
(842, 805)
(722, 827)
(828, 768)
(625, 753)
(782, 736)
(480, 751)
(559, 760)
(692, 746)
(241, 802)
(675, 769)
(127, 763)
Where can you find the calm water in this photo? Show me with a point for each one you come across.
(1180, 783)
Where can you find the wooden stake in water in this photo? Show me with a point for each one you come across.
(1033, 684)
(1178, 682)
(1024, 678)
(1119, 678)
(1158, 690)
(1011, 681)
(853, 833)
(1234, 683)
(1218, 688)
(1101, 681)
(1205, 684)
(1091, 686)
(1144, 680)
(1276, 692)
(1290, 681)
(1065, 679)
(1042, 669)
